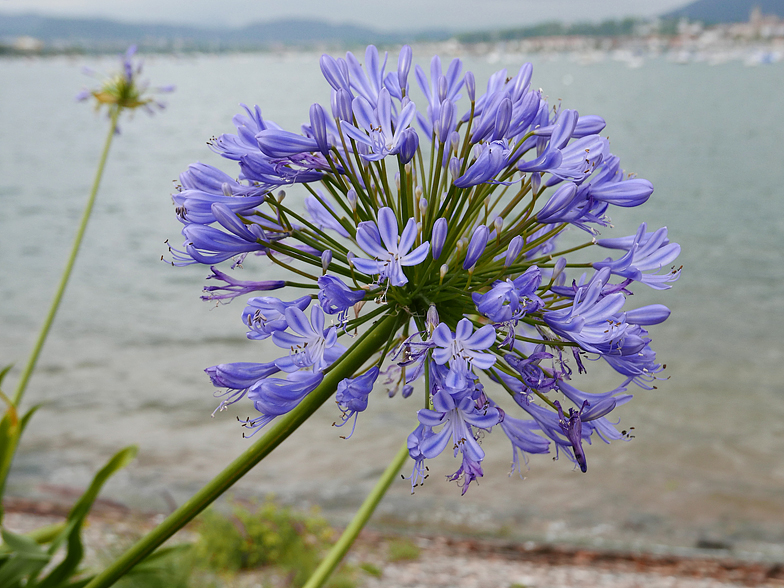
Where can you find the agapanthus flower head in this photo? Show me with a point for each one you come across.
(437, 225)
(124, 90)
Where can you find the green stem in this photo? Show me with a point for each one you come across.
(339, 550)
(359, 353)
(28, 371)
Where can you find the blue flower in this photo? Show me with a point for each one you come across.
(495, 284)
(265, 315)
(237, 378)
(647, 254)
(463, 350)
(273, 397)
(337, 298)
(511, 299)
(234, 287)
(124, 90)
(395, 253)
(458, 418)
(375, 130)
(592, 319)
(311, 346)
(352, 393)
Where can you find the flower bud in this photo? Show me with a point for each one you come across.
(442, 271)
(443, 88)
(536, 182)
(409, 145)
(422, 206)
(318, 126)
(438, 237)
(470, 86)
(444, 123)
(498, 224)
(502, 118)
(432, 320)
(454, 140)
(281, 196)
(476, 247)
(454, 167)
(407, 391)
(326, 259)
(559, 267)
(341, 105)
(513, 251)
(351, 196)
(403, 67)
(332, 71)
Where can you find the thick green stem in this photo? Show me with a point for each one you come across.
(28, 371)
(359, 353)
(339, 550)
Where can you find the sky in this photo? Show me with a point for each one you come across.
(384, 15)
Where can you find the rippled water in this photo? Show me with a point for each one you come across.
(124, 360)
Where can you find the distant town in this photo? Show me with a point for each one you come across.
(757, 41)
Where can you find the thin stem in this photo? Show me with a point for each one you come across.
(339, 550)
(351, 361)
(58, 296)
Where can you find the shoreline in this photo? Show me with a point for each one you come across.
(443, 559)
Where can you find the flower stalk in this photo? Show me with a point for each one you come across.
(353, 360)
(351, 532)
(58, 295)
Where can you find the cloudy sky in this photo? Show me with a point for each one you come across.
(381, 15)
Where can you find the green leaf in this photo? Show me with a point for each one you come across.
(25, 559)
(72, 533)
(10, 432)
(27, 416)
(4, 372)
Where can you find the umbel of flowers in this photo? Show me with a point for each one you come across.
(434, 227)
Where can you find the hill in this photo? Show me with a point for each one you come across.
(101, 34)
(723, 11)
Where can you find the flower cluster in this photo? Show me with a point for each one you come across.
(124, 90)
(445, 217)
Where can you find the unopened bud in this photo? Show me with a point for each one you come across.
(438, 237)
(422, 205)
(418, 191)
(432, 320)
(498, 223)
(476, 247)
(442, 272)
(559, 267)
(326, 259)
(513, 251)
(454, 140)
(351, 196)
(454, 167)
(281, 196)
(536, 182)
(470, 85)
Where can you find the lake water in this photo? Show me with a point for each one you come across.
(124, 360)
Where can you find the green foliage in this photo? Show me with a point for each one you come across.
(402, 550)
(607, 28)
(23, 558)
(167, 568)
(371, 569)
(266, 535)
